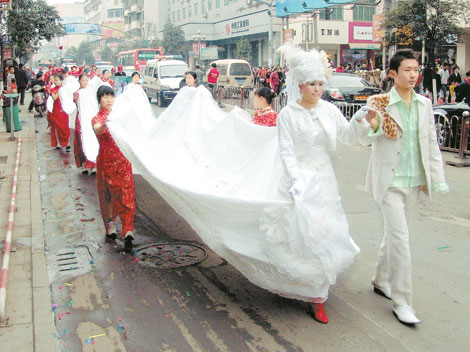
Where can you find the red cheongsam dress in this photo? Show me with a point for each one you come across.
(114, 179)
(59, 122)
(266, 117)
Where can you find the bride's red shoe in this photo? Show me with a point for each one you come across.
(317, 310)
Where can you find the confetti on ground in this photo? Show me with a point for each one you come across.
(445, 247)
(61, 287)
(99, 335)
(70, 303)
(89, 340)
(54, 306)
(60, 316)
(119, 328)
(136, 260)
(67, 284)
(87, 220)
(187, 293)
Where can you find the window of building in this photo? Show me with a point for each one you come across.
(203, 6)
(113, 13)
(178, 15)
(364, 12)
(226, 2)
(174, 17)
(332, 14)
(195, 9)
(189, 11)
(184, 13)
(217, 4)
(209, 5)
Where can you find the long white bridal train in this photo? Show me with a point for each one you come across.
(221, 173)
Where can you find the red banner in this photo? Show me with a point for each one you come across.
(5, 5)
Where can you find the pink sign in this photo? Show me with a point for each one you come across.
(361, 32)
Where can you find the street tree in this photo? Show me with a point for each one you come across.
(435, 21)
(243, 50)
(85, 54)
(71, 52)
(31, 21)
(108, 54)
(173, 40)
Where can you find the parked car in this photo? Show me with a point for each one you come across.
(348, 92)
(348, 88)
(232, 73)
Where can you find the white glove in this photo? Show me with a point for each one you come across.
(361, 113)
(296, 189)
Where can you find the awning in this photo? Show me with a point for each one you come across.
(374, 46)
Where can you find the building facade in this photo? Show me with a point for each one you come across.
(141, 18)
(50, 52)
(348, 34)
(222, 23)
(109, 15)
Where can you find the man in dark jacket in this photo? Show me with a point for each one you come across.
(453, 81)
(38, 81)
(463, 89)
(22, 82)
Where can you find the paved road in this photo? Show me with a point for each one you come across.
(211, 307)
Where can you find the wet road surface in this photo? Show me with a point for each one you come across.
(107, 300)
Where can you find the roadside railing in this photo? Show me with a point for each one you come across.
(243, 97)
(453, 132)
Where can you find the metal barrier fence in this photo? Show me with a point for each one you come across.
(243, 97)
(453, 132)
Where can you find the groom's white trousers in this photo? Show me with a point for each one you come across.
(393, 269)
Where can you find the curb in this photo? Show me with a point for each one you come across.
(6, 250)
(43, 318)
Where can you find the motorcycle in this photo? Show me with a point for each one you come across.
(39, 100)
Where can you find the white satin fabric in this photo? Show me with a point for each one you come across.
(222, 174)
(88, 108)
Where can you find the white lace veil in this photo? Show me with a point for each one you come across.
(304, 66)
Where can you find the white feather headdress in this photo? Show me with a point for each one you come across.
(304, 66)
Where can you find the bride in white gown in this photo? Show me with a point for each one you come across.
(224, 176)
(308, 129)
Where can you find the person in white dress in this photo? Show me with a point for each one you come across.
(308, 128)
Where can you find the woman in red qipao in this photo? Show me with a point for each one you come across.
(264, 114)
(107, 78)
(114, 178)
(59, 118)
(80, 157)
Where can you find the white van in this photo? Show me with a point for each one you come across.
(233, 73)
(162, 79)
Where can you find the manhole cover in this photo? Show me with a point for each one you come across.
(170, 255)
